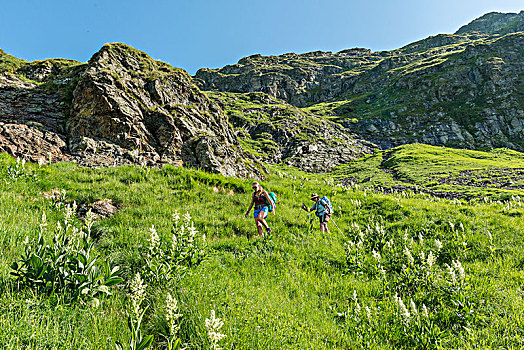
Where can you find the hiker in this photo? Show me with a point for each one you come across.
(322, 209)
(262, 201)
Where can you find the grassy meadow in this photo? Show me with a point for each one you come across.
(402, 270)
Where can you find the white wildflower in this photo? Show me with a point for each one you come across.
(422, 256)
(382, 271)
(69, 211)
(410, 258)
(89, 220)
(43, 222)
(176, 217)
(187, 218)
(361, 235)
(452, 274)
(438, 244)
(192, 231)
(75, 231)
(138, 293)
(404, 312)
(413, 307)
(425, 313)
(354, 297)
(376, 255)
(368, 314)
(431, 259)
(172, 314)
(154, 240)
(213, 326)
(421, 238)
(490, 237)
(460, 269)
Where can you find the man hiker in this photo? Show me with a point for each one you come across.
(261, 200)
(323, 210)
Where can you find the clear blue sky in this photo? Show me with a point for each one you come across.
(212, 33)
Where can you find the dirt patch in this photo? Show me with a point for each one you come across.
(104, 208)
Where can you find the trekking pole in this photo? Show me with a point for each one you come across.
(337, 226)
(301, 210)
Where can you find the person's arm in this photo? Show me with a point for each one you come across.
(270, 201)
(308, 209)
(251, 205)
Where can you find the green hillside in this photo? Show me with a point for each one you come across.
(498, 173)
(405, 270)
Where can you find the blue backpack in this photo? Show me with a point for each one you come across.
(325, 201)
(273, 203)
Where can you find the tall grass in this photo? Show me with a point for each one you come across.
(298, 288)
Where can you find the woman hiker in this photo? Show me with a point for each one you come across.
(322, 209)
(260, 199)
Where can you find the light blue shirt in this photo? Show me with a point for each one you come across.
(321, 207)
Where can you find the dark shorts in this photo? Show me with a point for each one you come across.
(324, 218)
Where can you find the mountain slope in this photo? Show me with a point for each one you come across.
(277, 132)
(461, 90)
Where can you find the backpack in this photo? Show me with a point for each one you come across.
(273, 198)
(325, 200)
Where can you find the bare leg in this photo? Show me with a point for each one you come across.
(262, 220)
(259, 226)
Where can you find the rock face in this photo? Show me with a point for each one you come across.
(120, 108)
(460, 90)
(127, 106)
(297, 79)
(495, 23)
(31, 118)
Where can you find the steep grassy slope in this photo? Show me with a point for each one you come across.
(296, 289)
(499, 172)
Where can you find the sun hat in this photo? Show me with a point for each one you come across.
(314, 195)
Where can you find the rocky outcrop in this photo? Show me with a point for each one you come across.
(495, 23)
(471, 99)
(300, 80)
(122, 107)
(306, 110)
(31, 120)
(128, 107)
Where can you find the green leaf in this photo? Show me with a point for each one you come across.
(145, 343)
(112, 281)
